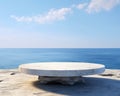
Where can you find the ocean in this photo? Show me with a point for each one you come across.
(12, 57)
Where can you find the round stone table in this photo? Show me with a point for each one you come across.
(62, 72)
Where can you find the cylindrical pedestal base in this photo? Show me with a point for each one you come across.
(62, 80)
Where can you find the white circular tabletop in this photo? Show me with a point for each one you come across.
(63, 69)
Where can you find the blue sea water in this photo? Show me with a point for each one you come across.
(13, 57)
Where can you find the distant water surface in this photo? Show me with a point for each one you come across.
(13, 57)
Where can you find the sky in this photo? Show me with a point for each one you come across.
(60, 24)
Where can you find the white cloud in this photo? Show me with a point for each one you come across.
(81, 6)
(98, 5)
(22, 18)
(52, 15)
(60, 14)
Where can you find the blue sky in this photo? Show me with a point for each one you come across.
(60, 24)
